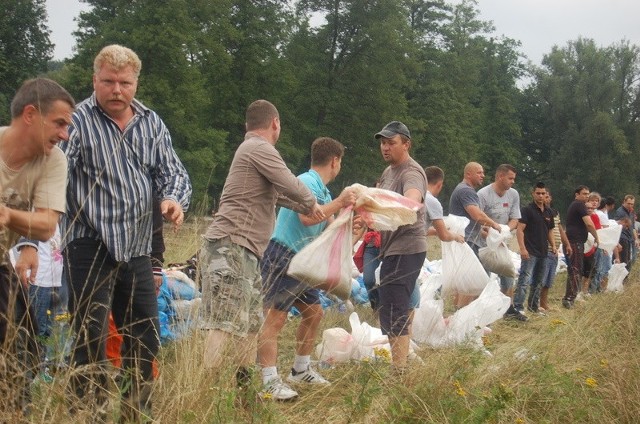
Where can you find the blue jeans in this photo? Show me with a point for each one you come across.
(603, 265)
(552, 267)
(371, 261)
(532, 273)
(41, 299)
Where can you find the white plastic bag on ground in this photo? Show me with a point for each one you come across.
(467, 324)
(366, 338)
(462, 272)
(336, 346)
(616, 277)
(428, 321)
(326, 262)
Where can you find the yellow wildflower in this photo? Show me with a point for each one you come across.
(591, 382)
(604, 363)
(459, 390)
(579, 370)
(519, 421)
(556, 322)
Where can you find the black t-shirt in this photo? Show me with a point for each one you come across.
(536, 233)
(576, 228)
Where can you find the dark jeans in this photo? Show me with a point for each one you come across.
(574, 271)
(18, 346)
(398, 275)
(98, 284)
(371, 261)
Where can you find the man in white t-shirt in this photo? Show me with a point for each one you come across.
(501, 202)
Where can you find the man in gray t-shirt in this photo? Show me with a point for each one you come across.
(464, 201)
(434, 215)
(500, 201)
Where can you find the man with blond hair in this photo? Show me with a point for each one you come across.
(120, 157)
(33, 177)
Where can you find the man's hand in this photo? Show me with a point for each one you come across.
(347, 198)
(524, 254)
(172, 211)
(157, 280)
(27, 261)
(316, 213)
(459, 238)
(568, 250)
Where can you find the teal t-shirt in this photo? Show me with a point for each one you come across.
(289, 231)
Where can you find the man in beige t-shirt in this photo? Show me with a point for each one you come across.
(33, 177)
(258, 180)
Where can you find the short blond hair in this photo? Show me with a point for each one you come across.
(119, 57)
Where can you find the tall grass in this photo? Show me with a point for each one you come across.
(579, 365)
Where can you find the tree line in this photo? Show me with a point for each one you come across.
(344, 68)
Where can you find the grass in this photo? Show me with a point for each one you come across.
(579, 365)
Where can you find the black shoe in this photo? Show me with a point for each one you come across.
(513, 313)
(567, 303)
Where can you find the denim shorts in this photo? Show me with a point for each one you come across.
(280, 290)
(231, 284)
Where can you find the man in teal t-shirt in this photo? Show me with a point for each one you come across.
(293, 231)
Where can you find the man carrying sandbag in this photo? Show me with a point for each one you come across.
(293, 231)
(237, 237)
(501, 202)
(403, 251)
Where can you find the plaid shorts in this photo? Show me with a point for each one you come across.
(231, 288)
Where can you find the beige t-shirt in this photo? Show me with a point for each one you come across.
(40, 183)
(412, 238)
(257, 180)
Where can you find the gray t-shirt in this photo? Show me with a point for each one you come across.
(501, 209)
(464, 195)
(407, 239)
(433, 209)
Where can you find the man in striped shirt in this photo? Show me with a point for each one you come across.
(120, 157)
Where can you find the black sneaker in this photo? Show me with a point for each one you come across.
(513, 313)
(567, 303)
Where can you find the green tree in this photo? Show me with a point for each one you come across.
(25, 47)
(586, 129)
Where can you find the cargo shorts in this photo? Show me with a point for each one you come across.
(231, 288)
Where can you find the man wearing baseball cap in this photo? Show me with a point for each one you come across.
(403, 251)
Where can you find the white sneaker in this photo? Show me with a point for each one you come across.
(310, 376)
(276, 389)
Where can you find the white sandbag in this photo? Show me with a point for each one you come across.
(467, 324)
(428, 321)
(608, 237)
(617, 273)
(384, 210)
(462, 272)
(497, 238)
(336, 346)
(498, 260)
(326, 262)
(366, 338)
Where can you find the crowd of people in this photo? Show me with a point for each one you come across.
(105, 171)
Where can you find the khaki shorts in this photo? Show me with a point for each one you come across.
(231, 288)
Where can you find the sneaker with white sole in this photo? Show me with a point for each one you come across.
(276, 389)
(310, 376)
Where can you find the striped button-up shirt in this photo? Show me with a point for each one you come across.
(113, 176)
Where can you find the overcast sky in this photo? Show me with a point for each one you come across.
(537, 24)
